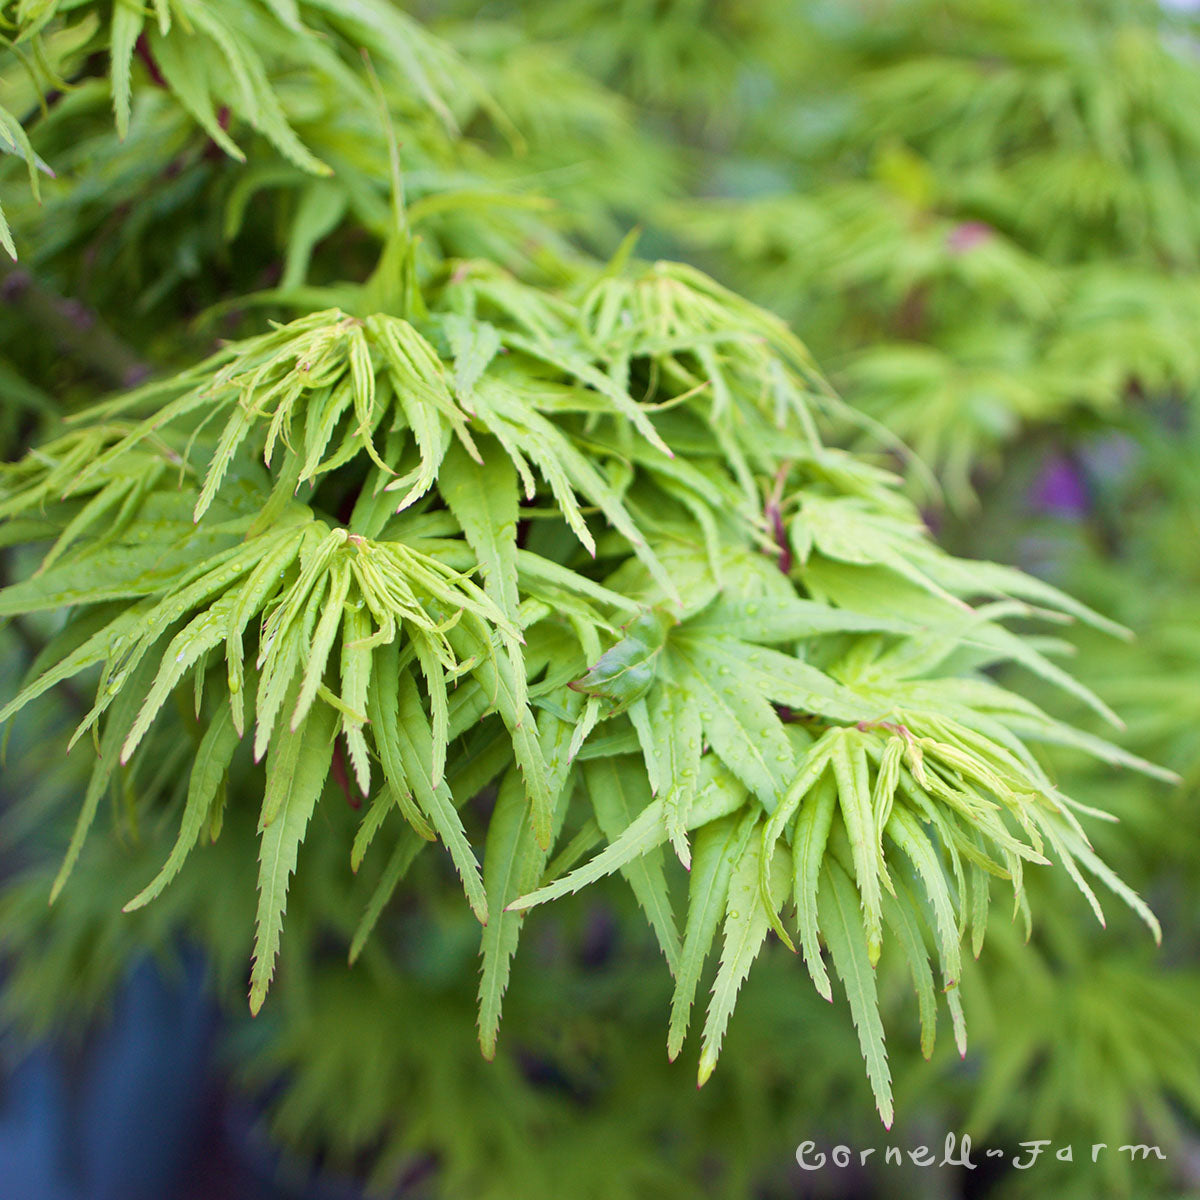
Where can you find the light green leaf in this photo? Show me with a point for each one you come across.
(208, 772)
(746, 926)
(321, 207)
(625, 672)
(483, 499)
(122, 716)
(846, 939)
(511, 859)
(190, 644)
(768, 620)
(854, 798)
(383, 709)
(127, 21)
(474, 343)
(647, 831)
(620, 794)
(280, 844)
(414, 738)
(504, 683)
(808, 856)
(900, 914)
(369, 827)
(675, 745)
(316, 654)
(513, 863)
(718, 849)
(356, 686)
(904, 829)
(739, 722)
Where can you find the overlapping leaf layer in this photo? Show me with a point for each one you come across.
(584, 550)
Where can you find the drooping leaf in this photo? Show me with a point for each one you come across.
(847, 941)
(746, 926)
(208, 772)
(719, 848)
(620, 795)
(280, 844)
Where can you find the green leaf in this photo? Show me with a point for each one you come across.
(211, 763)
(849, 763)
(280, 661)
(185, 75)
(513, 863)
(585, 373)
(414, 738)
(320, 209)
(439, 702)
(746, 926)
(483, 499)
(418, 380)
(122, 716)
(511, 860)
(383, 702)
(127, 21)
(904, 829)
(185, 649)
(781, 678)
(620, 794)
(644, 833)
(768, 620)
(94, 649)
(739, 722)
(673, 758)
(316, 654)
(252, 95)
(280, 844)
(900, 913)
(6, 238)
(356, 666)
(718, 849)
(808, 857)
(846, 939)
(847, 530)
(504, 683)
(535, 570)
(373, 821)
(625, 673)
(284, 756)
(474, 344)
